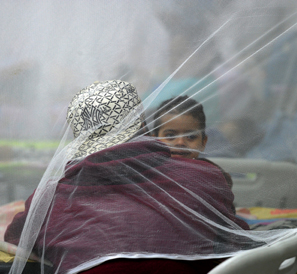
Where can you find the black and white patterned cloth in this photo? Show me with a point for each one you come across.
(104, 114)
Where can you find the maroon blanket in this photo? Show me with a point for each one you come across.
(134, 199)
(154, 266)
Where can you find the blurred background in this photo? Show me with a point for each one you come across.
(242, 66)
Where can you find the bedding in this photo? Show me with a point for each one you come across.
(7, 213)
(265, 218)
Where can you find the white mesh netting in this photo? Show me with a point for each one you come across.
(144, 179)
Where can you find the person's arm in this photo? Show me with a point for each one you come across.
(14, 229)
(225, 200)
(226, 175)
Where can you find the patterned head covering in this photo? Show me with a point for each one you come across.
(103, 115)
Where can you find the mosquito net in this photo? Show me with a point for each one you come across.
(159, 128)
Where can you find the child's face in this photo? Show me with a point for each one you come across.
(183, 136)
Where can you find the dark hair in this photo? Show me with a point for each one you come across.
(180, 105)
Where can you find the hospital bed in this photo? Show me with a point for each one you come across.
(264, 184)
(277, 258)
(261, 183)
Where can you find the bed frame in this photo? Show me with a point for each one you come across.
(261, 183)
(277, 258)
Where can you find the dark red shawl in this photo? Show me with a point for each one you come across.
(134, 198)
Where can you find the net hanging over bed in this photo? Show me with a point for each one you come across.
(176, 125)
